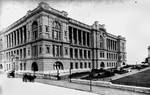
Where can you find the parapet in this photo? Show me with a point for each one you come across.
(98, 26)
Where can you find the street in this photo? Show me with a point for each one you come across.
(15, 86)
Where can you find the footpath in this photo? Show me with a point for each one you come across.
(84, 87)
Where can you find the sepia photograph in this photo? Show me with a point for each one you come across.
(74, 47)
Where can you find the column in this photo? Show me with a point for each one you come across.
(72, 35)
(89, 37)
(16, 37)
(7, 40)
(25, 34)
(112, 45)
(85, 38)
(11, 39)
(77, 37)
(22, 34)
(19, 37)
(81, 37)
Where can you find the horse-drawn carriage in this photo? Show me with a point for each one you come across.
(11, 74)
(28, 77)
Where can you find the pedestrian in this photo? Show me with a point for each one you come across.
(24, 77)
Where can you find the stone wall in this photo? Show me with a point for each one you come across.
(115, 86)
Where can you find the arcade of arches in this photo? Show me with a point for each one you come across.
(58, 66)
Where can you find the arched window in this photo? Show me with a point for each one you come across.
(34, 66)
(56, 29)
(101, 42)
(124, 63)
(35, 30)
(102, 65)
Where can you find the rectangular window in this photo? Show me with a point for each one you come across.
(55, 34)
(71, 65)
(54, 50)
(85, 54)
(75, 35)
(76, 65)
(20, 53)
(46, 28)
(24, 52)
(70, 34)
(80, 52)
(88, 38)
(60, 51)
(89, 54)
(40, 28)
(85, 65)
(71, 53)
(47, 48)
(81, 65)
(66, 50)
(65, 33)
(84, 38)
(57, 51)
(34, 50)
(20, 66)
(76, 53)
(29, 51)
(89, 65)
(40, 49)
(79, 37)
(24, 66)
(28, 35)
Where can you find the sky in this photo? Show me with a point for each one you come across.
(128, 18)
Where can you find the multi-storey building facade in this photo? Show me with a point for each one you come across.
(47, 39)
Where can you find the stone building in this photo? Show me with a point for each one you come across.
(47, 39)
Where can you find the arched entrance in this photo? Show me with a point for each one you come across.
(34, 66)
(124, 63)
(58, 66)
(102, 65)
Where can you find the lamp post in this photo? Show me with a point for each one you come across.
(91, 74)
(70, 74)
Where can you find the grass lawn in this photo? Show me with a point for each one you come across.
(139, 79)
